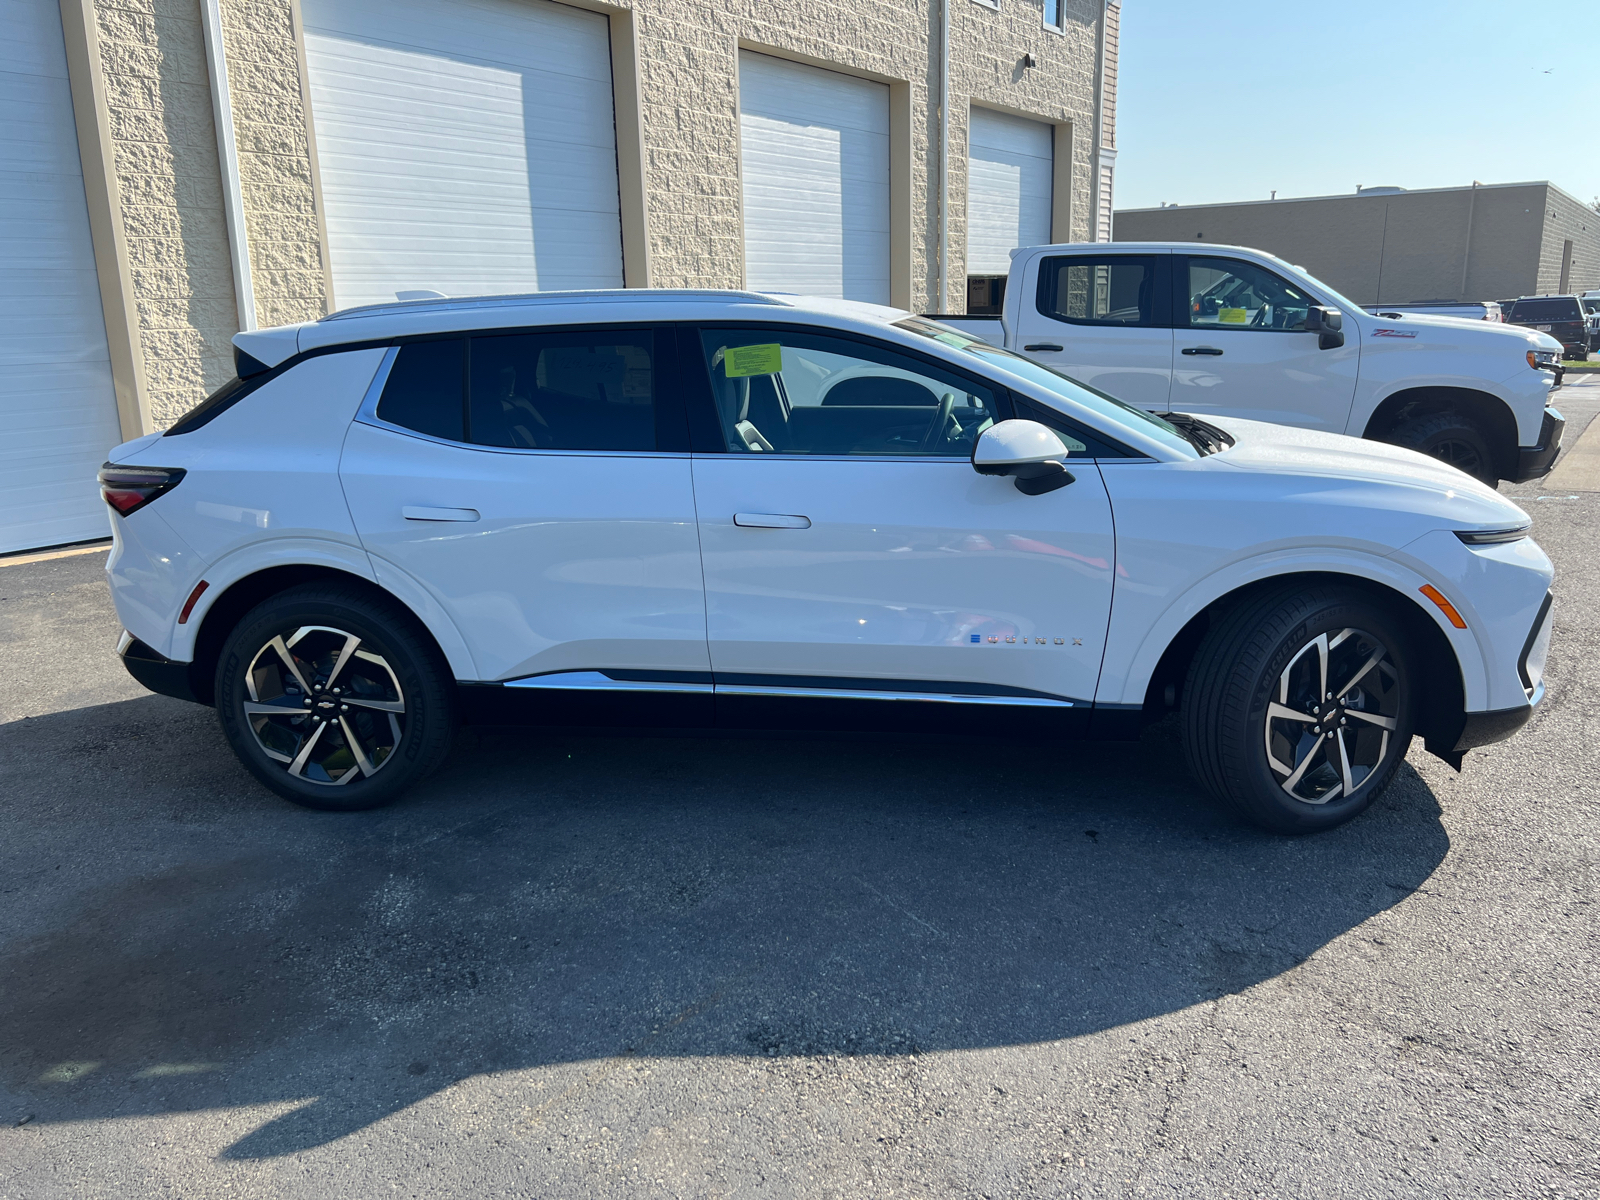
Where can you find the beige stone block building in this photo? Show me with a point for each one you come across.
(195, 167)
(1398, 246)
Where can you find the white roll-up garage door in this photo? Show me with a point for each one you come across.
(1011, 166)
(814, 150)
(465, 146)
(58, 414)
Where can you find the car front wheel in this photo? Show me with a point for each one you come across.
(1452, 438)
(334, 698)
(1298, 707)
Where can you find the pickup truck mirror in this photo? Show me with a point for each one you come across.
(1328, 324)
(1025, 450)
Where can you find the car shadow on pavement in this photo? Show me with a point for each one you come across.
(556, 900)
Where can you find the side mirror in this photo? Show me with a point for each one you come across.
(1328, 324)
(1025, 450)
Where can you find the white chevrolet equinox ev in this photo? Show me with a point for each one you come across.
(723, 510)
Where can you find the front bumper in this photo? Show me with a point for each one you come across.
(160, 675)
(1534, 461)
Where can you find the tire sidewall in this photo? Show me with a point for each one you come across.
(1267, 800)
(427, 710)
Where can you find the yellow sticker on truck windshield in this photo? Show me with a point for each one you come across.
(738, 361)
(1233, 316)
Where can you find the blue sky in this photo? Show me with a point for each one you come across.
(1229, 101)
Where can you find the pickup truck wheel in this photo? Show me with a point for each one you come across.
(333, 698)
(1452, 438)
(1299, 707)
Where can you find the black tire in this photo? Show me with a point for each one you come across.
(1257, 652)
(390, 724)
(1452, 438)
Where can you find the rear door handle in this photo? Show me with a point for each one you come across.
(413, 513)
(771, 521)
(1042, 346)
(1210, 350)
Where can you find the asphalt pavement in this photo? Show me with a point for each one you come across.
(594, 967)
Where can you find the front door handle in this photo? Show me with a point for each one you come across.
(771, 521)
(1210, 350)
(413, 513)
(1042, 346)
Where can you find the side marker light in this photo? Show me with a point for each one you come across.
(1448, 609)
(188, 605)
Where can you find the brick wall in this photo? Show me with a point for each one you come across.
(165, 152)
(1569, 219)
(158, 91)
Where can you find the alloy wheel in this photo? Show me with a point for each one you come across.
(1328, 730)
(324, 705)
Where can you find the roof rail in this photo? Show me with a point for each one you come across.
(446, 304)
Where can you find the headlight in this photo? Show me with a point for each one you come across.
(1492, 537)
(1543, 360)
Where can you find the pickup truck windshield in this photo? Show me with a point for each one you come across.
(1046, 377)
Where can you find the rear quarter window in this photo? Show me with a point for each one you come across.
(425, 388)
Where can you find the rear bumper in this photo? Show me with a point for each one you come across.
(1534, 461)
(160, 675)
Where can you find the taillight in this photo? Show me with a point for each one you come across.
(128, 489)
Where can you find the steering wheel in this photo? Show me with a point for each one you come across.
(936, 430)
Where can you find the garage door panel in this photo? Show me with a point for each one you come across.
(1010, 178)
(57, 404)
(466, 146)
(815, 180)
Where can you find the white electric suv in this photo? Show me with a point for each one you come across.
(718, 510)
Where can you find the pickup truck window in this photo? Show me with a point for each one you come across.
(1134, 419)
(1108, 289)
(1227, 293)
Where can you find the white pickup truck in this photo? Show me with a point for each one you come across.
(1226, 331)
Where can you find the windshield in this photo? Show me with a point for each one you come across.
(1343, 303)
(1054, 381)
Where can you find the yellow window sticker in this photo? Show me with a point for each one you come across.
(739, 361)
(1233, 316)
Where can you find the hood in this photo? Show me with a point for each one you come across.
(1459, 326)
(1393, 478)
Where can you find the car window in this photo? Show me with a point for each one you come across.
(794, 392)
(423, 391)
(1113, 289)
(1227, 293)
(1545, 310)
(569, 390)
(1036, 373)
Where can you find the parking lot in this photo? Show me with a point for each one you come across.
(594, 967)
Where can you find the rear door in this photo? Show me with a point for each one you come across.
(549, 510)
(1242, 348)
(1103, 318)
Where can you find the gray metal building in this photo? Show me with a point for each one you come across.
(1391, 245)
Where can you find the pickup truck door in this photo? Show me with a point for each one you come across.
(1103, 318)
(1242, 349)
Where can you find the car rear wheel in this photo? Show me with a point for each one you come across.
(333, 698)
(1298, 707)
(1452, 438)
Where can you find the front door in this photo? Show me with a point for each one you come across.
(1243, 349)
(1102, 318)
(551, 514)
(848, 544)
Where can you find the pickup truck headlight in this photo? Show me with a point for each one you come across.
(1542, 360)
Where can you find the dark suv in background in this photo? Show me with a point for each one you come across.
(1562, 317)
